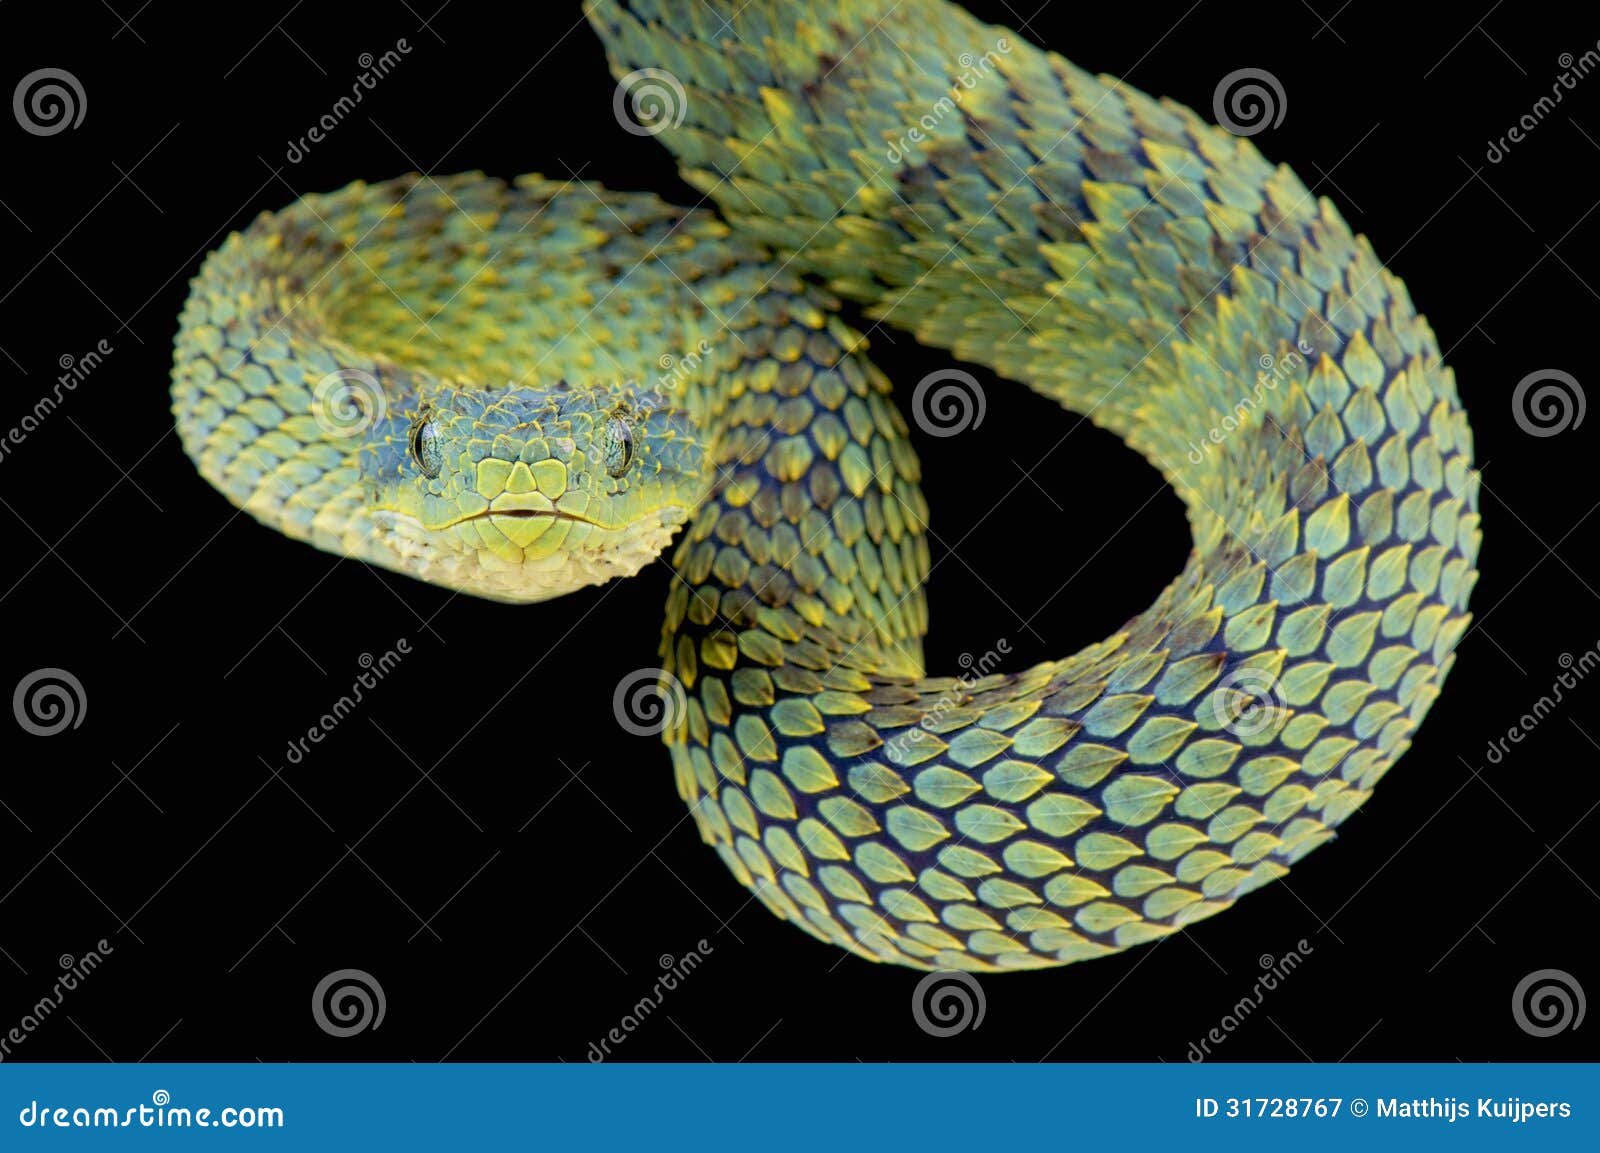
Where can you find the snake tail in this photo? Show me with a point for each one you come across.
(1148, 270)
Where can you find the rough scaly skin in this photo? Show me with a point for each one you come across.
(1114, 253)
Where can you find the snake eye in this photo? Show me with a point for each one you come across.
(427, 447)
(619, 446)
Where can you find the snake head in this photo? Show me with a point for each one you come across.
(523, 494)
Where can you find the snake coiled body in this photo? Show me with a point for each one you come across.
(550, 379)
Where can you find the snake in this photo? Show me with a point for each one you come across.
(515, 389)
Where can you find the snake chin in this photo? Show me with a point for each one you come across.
(520, 557)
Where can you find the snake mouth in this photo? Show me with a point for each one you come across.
(529, 514)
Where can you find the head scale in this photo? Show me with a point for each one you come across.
(523, 493)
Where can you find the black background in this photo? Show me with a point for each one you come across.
(481, 836)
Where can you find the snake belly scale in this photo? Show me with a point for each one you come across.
(519, 389)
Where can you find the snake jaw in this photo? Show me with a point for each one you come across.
(521, 558)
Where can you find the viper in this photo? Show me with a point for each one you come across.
(519, 389)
